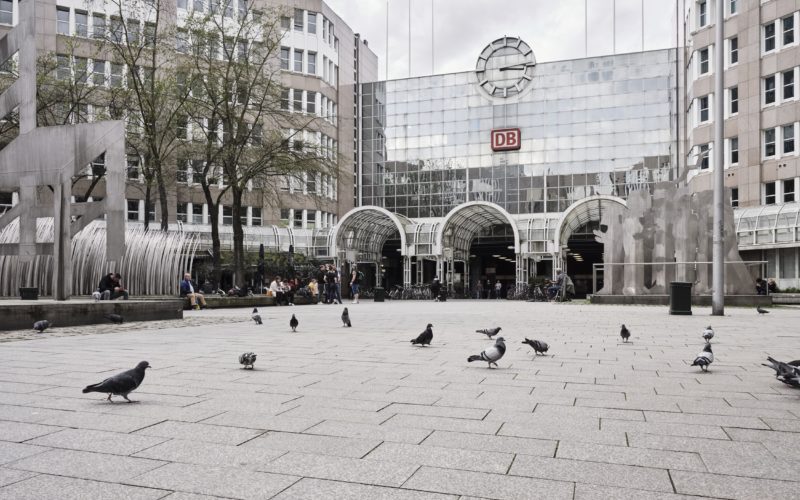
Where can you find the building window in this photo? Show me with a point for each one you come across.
(63, 20)
(311, 102)
(312, 63)
(116, 75)
(227, 215)
(285, 99)
(99, 26)
(256, 216)
(298, 218)
(312, 22)
(787, 23)
(788, 191)
(298, 100)
(769, 142)
(99, 72)
(81, 23)
(298, 60)
(769, 90)
(6, 12)
(284, 58)
(788, 84)
(298, 19)
(704, 62)
(733, 146)
(734, 100)
(733, 8)
(182, 171)
(133, 209)
(734, 51)
(704, 156)
(182, 213)
(133, 167)
(735, 197)
(285, 23)
(788, 138)
(769, 37)
(182, 127)
(197, 213)
(769, 193)
(703, 108)
(702, 14)
(183, 4)
(63, 70)
(284, 221)
(311, 183)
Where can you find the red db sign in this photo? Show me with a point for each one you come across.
(506, 139)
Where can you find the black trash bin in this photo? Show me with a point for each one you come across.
(680, 298)
(379, 294)
(28, 293)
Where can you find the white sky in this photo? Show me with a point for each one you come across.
(462, 28)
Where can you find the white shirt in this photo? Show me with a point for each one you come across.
(274, 286)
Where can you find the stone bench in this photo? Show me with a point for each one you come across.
(217, 302)
(785, 298)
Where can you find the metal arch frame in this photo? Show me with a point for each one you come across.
(398, 223)
(466, 206)
(566, 216)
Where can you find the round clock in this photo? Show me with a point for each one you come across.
(505, 67)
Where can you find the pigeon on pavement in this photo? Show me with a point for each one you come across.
(247, 359)
(256, 317)
(41, 326)
(761, 310)
(538, 346)
(491, 354)
(489, 332)
(121, 384)
(708, 334)
(624, 333)
(346, 318)
(115, 318)
(293, 323)
(425, 337)
(788, 373)
(705, 358)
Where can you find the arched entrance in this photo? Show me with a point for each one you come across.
(375, 239)
(576, 243)
(479, 241)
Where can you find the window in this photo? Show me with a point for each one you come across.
(788, 84)
(769, 90)
(735, 197)
(769, 37)
(703, 108)
(198, 5)
(298, 100)
(788, 138)
(182, 171)
(284, 58)
(181, 127)
(787, 23)
(285, 23)
(227, 215)
(63, 20)
(6, 201)
(133, 209)
(769, 193)
(312, 22)
(734, 100)
(133, 167)
(116, 75)
(284, 217)
(116, 29)
(769, 142)
(181, 213)
(63, 70)
(183, 4)
(733, 8)
(298, 60)
(311, 183)
(312, 63)
(81, 23)
(149, 34)
(788, 191)
(198, 168)
(285, 99)
(704, 62)
(298, 218)
(734, 51)
(311, 102)
(241, 49)
(197, 213)
(151, 214)
(733, 147)
(81, 69)
(255, 218)
(6, 12)
(99, 26)
(704, 156)
(298, 19)
(99, 72)
(702, 14)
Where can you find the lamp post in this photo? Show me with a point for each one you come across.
(718, 256)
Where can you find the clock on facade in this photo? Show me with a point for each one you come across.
(505, 67)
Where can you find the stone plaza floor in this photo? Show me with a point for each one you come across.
(341, 413)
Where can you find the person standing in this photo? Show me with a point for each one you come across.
(498, 288)
(436, 288)
(355, 281)
(338, 281)
(196, 299)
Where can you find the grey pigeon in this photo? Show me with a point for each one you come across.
(115, 318)
(293, 323)
(788, 373)
(346, 318)
(41, 326)
(761, 310)
(425, 337)
(538, 346)
(247, 359)
(705, 358)
(491, 354)
(624, 333)
(255, 310)
(489, 332)
(708, 334)
(121, 384)
(257, 318)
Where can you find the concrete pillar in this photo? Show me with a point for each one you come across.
(62, 241)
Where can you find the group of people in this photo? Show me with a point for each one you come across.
(111, 288)
(284, 291)
(765, 287)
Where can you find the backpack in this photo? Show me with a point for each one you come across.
(360, 276)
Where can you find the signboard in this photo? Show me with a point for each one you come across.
(506, 139)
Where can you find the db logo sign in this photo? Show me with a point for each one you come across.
(506, 139)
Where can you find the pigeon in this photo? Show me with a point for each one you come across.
(255, 310)
(705, 358)
(761, 310)
(293, 323)
(256, 317)
(538, 346)
(489, 332)
(346, 318)
(491, 354)
(247, 359)
(121, 384)
(425, 337)
(708, 334)
(788, 373)
(624, 333)
(114, 318)
(41, 326)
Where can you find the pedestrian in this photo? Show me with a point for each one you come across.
(498, 288)
(355, 281)
(436, 288)
(479, 290)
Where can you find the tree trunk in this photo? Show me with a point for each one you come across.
(213, 218)
(162, 197)
(238, 236)
(148, 188)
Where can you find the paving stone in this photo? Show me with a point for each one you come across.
(204, 453)
(444, 424)
(481, 484)
(22, 431)
(307, 443)
(114, 443)
(46, 487)
(435, 411)
(321, 413)
(99, 421)
(482, 442)
(263, 422)
(631, 456)
(691, 444)
(85, 465)
(201, 432)
(666, 429)
(27, 413)
(331, 490)
(562, 430)
(378, 472)
(9, 452)
(10, 476)
(595, 492)
(368, 431)
(697, 419)
(445, 458)
(716, 485)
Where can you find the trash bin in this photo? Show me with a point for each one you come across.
(379, 294)
(680, 298)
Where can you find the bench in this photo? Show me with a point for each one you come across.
(217, 302)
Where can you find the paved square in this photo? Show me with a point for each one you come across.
(339, 413)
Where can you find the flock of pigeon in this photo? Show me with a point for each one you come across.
(124, 383)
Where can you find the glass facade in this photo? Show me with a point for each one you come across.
(597, 126)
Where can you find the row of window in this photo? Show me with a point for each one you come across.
(197, 213)
(705, 158)
(782, 191)
(306, 22)
(228, 7)
(301, 218)
(321, 185)
(75, 22)
(780, 87)
(305, 61)
(301, 139)
(776, 142)
(92, 71)
(309, 102)
(702, 17)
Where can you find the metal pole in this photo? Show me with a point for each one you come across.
(718, 258)
(433, 47)
(586, 27)
(614, 27)
(386, 62)
(409, 38)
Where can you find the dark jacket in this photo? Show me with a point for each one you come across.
(107, 283)
(185, 289)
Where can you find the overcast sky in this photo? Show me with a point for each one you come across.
(462, 28)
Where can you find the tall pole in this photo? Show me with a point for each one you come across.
(386, 62)
(409, 38)
(718, 258)
(433, 46)
(614, 26)
(586, 27)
